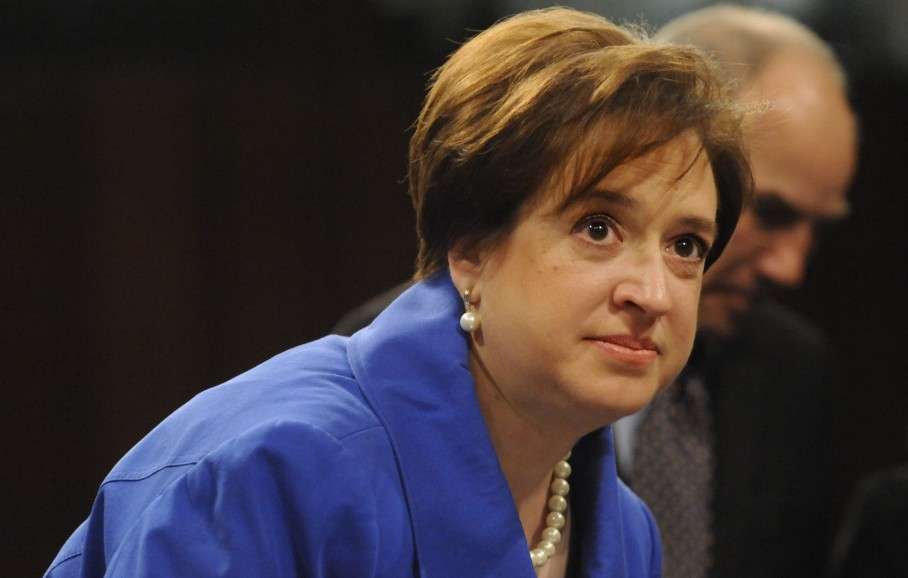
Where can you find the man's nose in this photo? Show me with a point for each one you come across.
(784, 258)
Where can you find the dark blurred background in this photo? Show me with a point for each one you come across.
(187, 189)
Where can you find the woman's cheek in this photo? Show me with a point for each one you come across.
(686, 311)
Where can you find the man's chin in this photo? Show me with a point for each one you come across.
(721, 315)
(723, 329)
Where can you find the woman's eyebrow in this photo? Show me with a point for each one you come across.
(607, 195)
(699, 225)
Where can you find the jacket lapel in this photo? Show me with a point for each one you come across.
(411, 364)
(596, 508)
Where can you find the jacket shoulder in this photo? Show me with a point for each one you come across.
(280, 499)
(310, 384)
(301, 408)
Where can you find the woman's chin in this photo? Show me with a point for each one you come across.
(618, 402)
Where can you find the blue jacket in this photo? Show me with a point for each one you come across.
(341, 458)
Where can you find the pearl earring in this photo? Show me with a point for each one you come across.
(469, 321)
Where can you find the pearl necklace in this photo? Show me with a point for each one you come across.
(554, 520)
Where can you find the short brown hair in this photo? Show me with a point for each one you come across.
(510, 106)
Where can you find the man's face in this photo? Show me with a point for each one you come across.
(803, 155)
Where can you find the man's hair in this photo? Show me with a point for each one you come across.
(743, 40)
(558, 93)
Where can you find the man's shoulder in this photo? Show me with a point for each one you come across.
(775, 329)
(777, 351)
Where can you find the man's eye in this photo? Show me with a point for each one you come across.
(690, 248)
(775, 213)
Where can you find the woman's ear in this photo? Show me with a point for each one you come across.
(465, 264)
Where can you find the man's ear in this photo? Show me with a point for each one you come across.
(465, 262)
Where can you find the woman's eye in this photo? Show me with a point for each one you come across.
(596, 228)
(689, 248)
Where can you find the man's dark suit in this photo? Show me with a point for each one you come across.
(769, 391)
(872, 541)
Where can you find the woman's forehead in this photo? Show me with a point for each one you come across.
(589, 171)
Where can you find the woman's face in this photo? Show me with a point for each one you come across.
(589, 308)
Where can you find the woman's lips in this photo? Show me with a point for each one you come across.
(638, 352)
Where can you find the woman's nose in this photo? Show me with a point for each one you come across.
(645, 287)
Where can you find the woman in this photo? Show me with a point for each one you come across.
(571, 181)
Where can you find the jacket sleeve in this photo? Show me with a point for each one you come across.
(283, 500)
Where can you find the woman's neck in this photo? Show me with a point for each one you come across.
(527, 450)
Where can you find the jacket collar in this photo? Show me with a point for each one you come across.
(411, 364)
